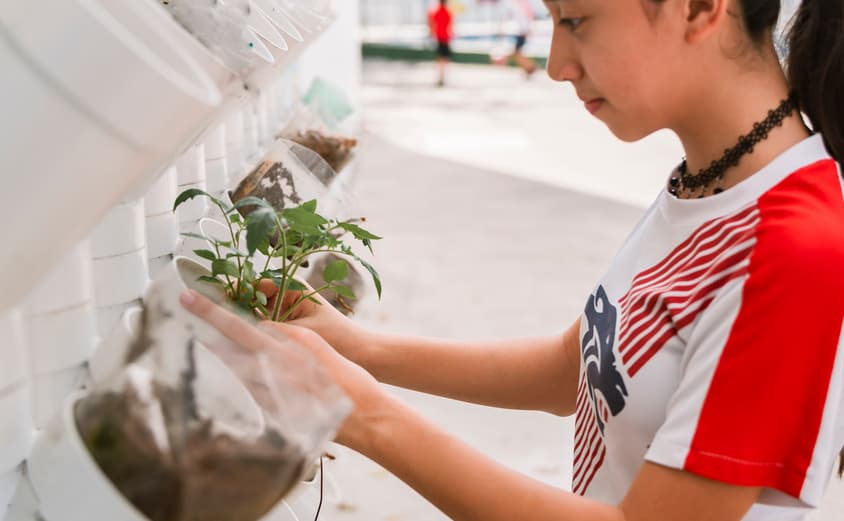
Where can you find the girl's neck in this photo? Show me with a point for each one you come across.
(728, 111)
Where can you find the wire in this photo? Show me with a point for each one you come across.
(321, 488)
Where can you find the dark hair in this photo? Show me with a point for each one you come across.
(815, 69)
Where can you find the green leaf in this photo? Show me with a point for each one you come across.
(235, 218)
(259, 226)
(337, 270)
(343, 291)
(295, 285)
(206, 254)
(195, 236)
(210, 280)
(252, 201)
(223, 267)
(261, 298)
(245, 293)
(248, 271)
(358, 232)
(189, 194)
(310, 205)
(303, 219)
(375, 277)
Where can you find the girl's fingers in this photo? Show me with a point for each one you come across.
(230, 325)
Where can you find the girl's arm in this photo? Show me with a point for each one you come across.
(468, 486)
(533, 374)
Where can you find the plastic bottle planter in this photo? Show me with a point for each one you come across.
(235, 162)
(60, 332)
(106, 132)
(13, 351)
(216, 168)
(120, 231)
(162, 225)
(159, 198)
(62, 471)
(190, 169)
(16, 427)
(251, 142)
(212, 228)
(24, 505)
(15, 415)
(9, 482)
(120, 262)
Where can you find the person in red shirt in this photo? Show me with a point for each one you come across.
(439, 21)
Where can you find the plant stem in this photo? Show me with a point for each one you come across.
(234, 243)
(282, 289)
(301, 299)
(228, 280)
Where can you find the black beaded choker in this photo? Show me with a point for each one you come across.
(683, 183)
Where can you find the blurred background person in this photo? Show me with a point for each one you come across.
(440, 24)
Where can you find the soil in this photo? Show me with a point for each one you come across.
(335, 150)
(270, 181)
(214, 477)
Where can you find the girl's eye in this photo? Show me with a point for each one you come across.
(571, 23)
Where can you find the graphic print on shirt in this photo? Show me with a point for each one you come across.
(670, 295)
(661, 301)
(602, 391)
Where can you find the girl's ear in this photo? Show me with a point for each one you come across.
(704, 18)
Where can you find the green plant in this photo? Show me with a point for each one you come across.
(289, 236)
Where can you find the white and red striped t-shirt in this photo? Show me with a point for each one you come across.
(714, 342)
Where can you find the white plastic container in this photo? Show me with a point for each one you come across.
(112, 350)
(215, 143)
(61, 339)
(161, 195)
(15, 426)
(83, 157)
(9, 482)
(109, 317)
(235, 159)
(150, 78)
(159, 263)
(120, 231)
(62, 473)
(217, 173)
(49, 392)
(13, 369)
(68, 284)
(120, 278)
(162, 234)
(190, 168)
(24, 505)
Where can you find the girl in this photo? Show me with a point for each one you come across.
(706, 372)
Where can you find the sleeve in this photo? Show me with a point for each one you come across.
(761, 397)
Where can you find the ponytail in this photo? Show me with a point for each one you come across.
(815, 70)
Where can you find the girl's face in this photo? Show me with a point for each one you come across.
(624, 59)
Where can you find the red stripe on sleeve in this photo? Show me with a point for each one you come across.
(760, 419)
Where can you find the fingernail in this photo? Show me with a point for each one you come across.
(187, 297)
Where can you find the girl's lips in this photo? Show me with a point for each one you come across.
(594, 105)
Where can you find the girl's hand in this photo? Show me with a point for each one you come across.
(343, 334)
(369, 399)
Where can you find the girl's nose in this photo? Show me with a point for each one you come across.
(562, 62)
